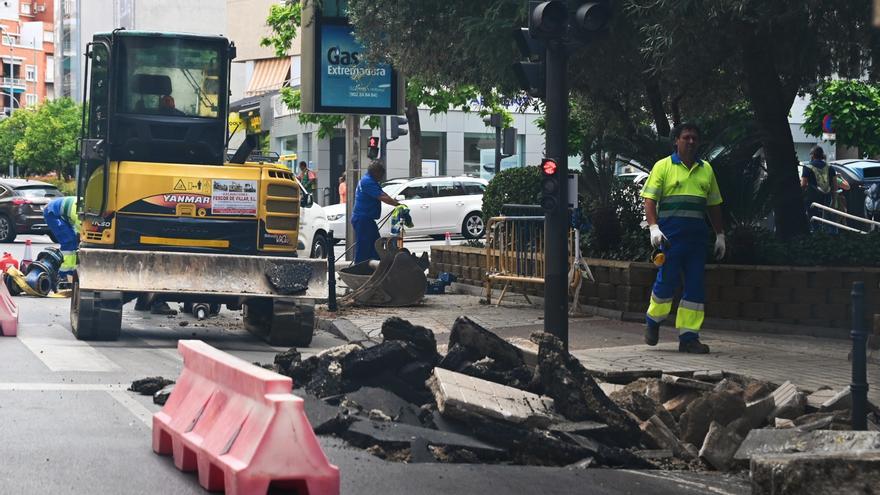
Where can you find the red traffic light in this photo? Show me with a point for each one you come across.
(374, 142)
(548, 166)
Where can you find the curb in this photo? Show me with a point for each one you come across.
(342, 328)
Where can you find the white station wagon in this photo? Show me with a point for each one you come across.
(437, 205)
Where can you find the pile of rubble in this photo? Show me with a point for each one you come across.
(488, 400)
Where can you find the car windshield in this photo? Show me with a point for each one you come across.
(164, 76)
(392, 188)
(38, 191)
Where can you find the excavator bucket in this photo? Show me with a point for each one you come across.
(398, 281)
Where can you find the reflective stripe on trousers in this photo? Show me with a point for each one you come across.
(686, 257)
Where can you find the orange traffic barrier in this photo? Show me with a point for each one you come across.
(240, 427)
(8, 312)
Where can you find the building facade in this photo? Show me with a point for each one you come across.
(27, 47)
(77, 21)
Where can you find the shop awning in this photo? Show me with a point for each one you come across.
(269, 75)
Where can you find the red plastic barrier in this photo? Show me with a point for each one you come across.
(8, 312)
(240, 426)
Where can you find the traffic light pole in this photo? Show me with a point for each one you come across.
(383, 141)
(497, 149)
(556, 221)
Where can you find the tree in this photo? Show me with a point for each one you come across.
(49, 140)
(855, 109)
(12, 130)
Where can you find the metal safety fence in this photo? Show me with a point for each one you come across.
(871, 224)
(515, 252)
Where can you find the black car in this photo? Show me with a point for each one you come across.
(21, 207)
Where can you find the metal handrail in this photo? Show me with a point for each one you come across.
(844, 214)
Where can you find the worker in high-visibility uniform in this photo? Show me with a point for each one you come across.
(678, 193)
(60, 215)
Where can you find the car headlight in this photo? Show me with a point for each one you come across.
(333, 218)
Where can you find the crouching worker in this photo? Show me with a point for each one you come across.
(62, 219)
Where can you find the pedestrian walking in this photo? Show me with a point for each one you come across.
(307, 178)
(818, 182)
(679, 192)
(343, 190)
(367, 208)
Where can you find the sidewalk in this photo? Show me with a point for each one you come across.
(611, 345)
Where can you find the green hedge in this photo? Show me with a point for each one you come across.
(512, 186)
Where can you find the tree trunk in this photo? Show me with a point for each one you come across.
(415, 139)
(771, 104)
(655, 100)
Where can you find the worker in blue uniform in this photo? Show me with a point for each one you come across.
(679, 192)
(62, 219)
(367, 209)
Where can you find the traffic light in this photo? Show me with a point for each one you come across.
(396, 129)
(549, 184)
(590, 20)
(548, 20)
(508, 141)
(493, 120)
(373, 151)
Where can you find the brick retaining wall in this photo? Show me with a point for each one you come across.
(811, 296)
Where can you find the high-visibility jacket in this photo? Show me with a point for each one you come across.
(682, 195)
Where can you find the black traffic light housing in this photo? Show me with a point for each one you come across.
(373, 148)
(396, 129)
(508, 141)
(550, 186)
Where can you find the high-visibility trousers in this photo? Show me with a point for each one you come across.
(685, 257)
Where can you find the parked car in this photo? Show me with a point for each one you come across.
(437, 205)
(861, 175)
(21, 207)
(637, 178)
(313, 241)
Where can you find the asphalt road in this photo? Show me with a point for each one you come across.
(70, 425)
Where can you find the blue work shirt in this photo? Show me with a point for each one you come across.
(366, 199)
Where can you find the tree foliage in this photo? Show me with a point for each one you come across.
(43, 139)
(855, 109)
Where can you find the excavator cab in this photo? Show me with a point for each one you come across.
(164, 211)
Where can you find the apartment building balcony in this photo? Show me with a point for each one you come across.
(13, 82)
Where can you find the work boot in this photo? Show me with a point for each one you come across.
(162, 308)
(652, 332)
(693, 347)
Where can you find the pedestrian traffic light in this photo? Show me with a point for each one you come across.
(373, 151)
(549, 184)
(396, 129)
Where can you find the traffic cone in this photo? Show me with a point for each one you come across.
(27, 258)
(448, 239)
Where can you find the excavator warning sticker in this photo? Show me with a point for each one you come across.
(234, 197)
(191, 185)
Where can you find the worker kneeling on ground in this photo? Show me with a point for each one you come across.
(367, 209)
(683, 187)
(60, 215)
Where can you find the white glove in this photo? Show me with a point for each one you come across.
(720, 246)
(657, 237)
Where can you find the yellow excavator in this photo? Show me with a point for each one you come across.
(165, 212)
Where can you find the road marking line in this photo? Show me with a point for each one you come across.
(692, 484)
(68, 355)
(133, 406)
(53, 387)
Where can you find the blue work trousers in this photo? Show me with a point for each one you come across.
(684, 256)
(365, 235)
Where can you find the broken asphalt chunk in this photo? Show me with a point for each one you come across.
(774, 441)
(390, 435)
(150, 385)
(790, 403)
(576, 395)
(722, 407)
(161, 396)
(839, 472)
(421, 338)
(485, 343)
(390, 355)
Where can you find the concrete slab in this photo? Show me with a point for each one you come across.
(461, 396)
(849, 472)
(790, 402)
(771, 441)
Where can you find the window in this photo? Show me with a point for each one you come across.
(7, 40)
(171, 77)
(48, 37)
(445, 188)
(474, 188)
(31, 99)
(290, 144)
(420, 190)
(478, 149)
(30, 72)
(434, 148)
(26, 9)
